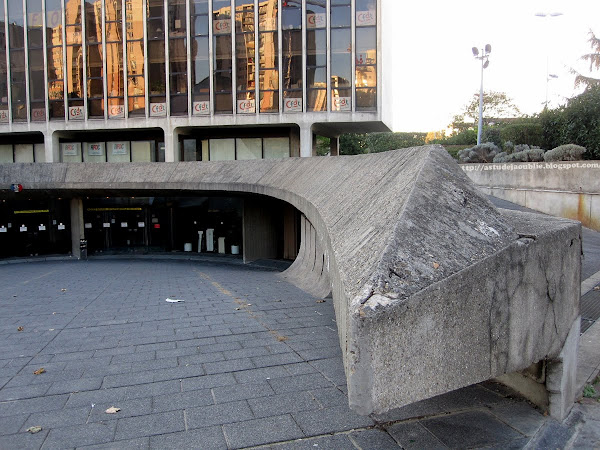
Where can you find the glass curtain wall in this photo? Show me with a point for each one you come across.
(222, 56)
(268, 56)
(366, 55)
(16, 41)
(341, 55)
(136, 87)
(3, 69)
(75, 67)
(94, 69)
(115, 89)
(245, 57)
(316, 56)
(156, 58)
(54, 56)
(35, 41)
(178, 57)
(291, 67)
(200, 62)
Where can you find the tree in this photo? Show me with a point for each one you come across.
(594, 59)
(496, 105)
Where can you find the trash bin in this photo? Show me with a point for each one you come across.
(82, 248)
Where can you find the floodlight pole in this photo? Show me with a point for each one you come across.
(484, 58)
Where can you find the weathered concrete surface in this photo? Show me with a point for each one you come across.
(569, 189)
(433, 287)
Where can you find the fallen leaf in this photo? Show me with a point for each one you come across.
(34, 430)
(112, 410)
(282, 338)
(39, 371)
(238, 308)
(320, 301)
(436, 265)
(278, 301)
(174, 300)
(51, 329)
(20, 329)
(248, 304)
(63, 290)
(597, 288)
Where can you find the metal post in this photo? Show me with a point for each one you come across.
(480, 126)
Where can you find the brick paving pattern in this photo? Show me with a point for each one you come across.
(246, 360)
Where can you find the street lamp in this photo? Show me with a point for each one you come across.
(549, 76)
(484, 58)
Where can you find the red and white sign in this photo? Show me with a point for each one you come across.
(316, 20)
(201, 108)
(38, 114)
(76, 113)
(342, 104)
(119, 148)
(158, 109)
(116, 111)
(95, 149)
(365, 18)
(247, 106)
(70, 149)
(222, 26)
(292, 105)
(3, 115)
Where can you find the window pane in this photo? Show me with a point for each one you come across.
(366, 46)
(249, 148)
(94, 152)
(114, 32)
(118, 151)
(178, 55)
(267, 15)
(113, 10)
(55, 68)
(222, 149)
(93, 22)
(223, 103)
(269, 79)
(366, 76)
(156, 69)
(269, 101)
(291, 15)
(190, 152)
(340, 16)
(199, 6)
(200, 25)
(366, 99)
(6, 153)
(292, 60)
(177, 16)
(94, 55)
(341, 70)
(276, 147)
(317, 77)
(268, 50)
(136, 106)
(114, 70)
(366, 13)
(317, 99)
(70, 152)
(23, 153)
(135, 58)
(141, 151)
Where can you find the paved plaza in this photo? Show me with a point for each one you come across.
(245, 360)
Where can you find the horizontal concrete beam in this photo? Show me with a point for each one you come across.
(433, 287)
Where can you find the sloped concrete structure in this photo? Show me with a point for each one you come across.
(433, 287)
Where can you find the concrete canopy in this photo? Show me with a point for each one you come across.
(433, 287)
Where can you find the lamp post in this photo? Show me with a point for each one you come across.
(549, 76)
(484, 58)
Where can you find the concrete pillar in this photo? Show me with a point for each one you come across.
(171, 145)
(334, 146)
(77, 226)
(52, 146)
(307, 141)
(294, 141)
(260, 232)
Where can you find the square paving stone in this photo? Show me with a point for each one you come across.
(373, 440)
(218, 414)
(520, 415)
(241, 391)
(80, 435)
(182, 400)
(282, 404)
(210, 438)
(55, 419)
(300, 383)
(330, 420)
(261, 431)
(413, 435)
(23, 441)
(149, 425)
(470, 429)
(12, 424)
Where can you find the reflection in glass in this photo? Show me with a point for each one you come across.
(268, 57)
(134, 26)
(341, 56)
(200, 72)
(156, 57)
(17, 60)
(316, 69)
(221, 19)
(3, 69)
(54, 56)
(366, 66)
(37, 85)
(74, 57)
(245, 56)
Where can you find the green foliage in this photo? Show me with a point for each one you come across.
(578, 122)
(491, 134)
(524, 131)
(529, 155)
(483, 153)
(594, 59)
(354, 144)
(465, 137)
(323, 146)
(495, 105)
(454, 149)
(568, 152)
(589, 391)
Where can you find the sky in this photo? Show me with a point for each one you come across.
(436, 74)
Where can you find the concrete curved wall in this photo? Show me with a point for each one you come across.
(433, 287)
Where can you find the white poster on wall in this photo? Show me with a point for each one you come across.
(3, 115)
(158, 109)
(76, 113)
(342, 104)
(70, 149)
(95, 149)
(316, 20)
(292, 105)
(366, 18)
(116, 111)
(247, 106)
(201, 108)
(119, 148)
(222, 26)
